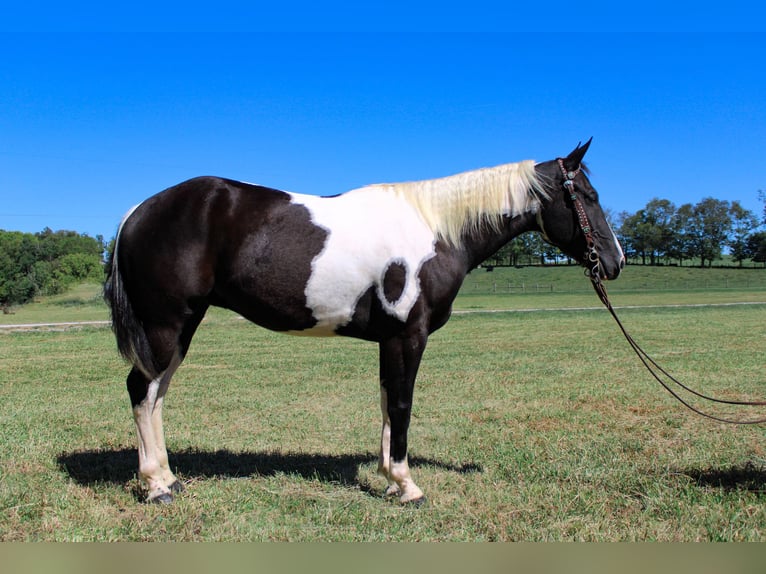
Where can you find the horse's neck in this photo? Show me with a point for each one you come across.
(480, 246)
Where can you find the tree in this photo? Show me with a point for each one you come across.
(630, 237)
(45, 263)
(534, 247)
(17, 258)
(649, 232)
(527, 248)
(501, 255)
(708, 229)
(756, 247)
(659, 215)
(744, 222)
(681, 244)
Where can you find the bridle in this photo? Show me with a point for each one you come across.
(591, 259)
(592, 264)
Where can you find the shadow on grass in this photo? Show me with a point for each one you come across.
(748, 477)
(121, 465)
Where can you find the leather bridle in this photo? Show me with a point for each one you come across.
(591, 259)
(592, 265)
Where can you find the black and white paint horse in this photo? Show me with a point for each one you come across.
(382, 263)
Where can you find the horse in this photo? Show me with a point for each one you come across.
(382, 263)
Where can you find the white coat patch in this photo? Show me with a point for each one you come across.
(367, 231)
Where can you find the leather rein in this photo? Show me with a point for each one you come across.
(593, 271)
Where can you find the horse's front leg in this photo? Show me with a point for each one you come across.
(399, 362)
(384, 460)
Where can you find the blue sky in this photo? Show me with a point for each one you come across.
(93, 122)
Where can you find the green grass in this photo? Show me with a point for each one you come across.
(569, 279)
(82, 303)
(527, 426)
(563, 286)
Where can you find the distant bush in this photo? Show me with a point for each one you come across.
(46, 263)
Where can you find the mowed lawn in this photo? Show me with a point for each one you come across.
(527, 426)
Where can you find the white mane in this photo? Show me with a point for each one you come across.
(456, 205)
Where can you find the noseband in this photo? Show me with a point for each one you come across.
(591, 259)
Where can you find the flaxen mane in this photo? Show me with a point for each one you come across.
(457, 205)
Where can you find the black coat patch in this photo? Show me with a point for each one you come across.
(394, 280)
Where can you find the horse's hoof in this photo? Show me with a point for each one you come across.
(177, 487)
(415, 502)
(164, 498)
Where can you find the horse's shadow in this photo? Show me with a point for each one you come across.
(119, 466)
(748, 477)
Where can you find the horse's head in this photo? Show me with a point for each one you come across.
(572, 219)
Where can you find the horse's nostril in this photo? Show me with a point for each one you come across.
(622, 263)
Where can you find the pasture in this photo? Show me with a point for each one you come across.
(530, 426)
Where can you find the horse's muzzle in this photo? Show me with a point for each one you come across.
(610, 270)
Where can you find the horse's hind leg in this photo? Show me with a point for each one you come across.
(168, 478)
(147, 397)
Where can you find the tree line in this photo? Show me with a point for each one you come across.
(46, 263)
(662, 233)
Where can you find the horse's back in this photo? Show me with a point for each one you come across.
(285, 261)
(175, 246)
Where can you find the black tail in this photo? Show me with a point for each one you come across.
(128, 330)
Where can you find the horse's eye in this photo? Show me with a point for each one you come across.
(590, 194)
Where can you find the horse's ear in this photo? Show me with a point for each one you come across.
(574, 159)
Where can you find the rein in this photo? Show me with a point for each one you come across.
(593, 270)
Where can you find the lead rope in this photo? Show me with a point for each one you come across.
(593, 271)
(656, 370)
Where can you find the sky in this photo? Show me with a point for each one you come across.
(94, 117)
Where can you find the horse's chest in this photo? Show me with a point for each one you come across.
(373, 243)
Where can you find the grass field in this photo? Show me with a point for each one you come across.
(527, 426)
